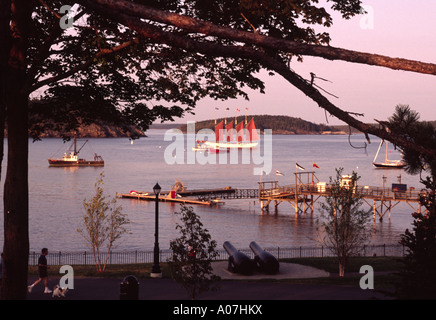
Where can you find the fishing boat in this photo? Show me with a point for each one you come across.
(71, 159)
(387, 164)
(246, 138)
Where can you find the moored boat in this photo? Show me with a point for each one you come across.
(388, 164)
(71, 159)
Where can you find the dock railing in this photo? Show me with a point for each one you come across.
(146, 256)
(368, 192)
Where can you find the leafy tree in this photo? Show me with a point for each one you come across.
(346, 225)
(193, 253)
(406, 123)
(104, 224)
(417, 279)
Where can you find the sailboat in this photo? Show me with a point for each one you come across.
(393, 164)
(72, 160)
(246, 138)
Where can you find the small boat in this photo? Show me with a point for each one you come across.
(388, 164)
(200, 146)
(204, 146)
(71, 159)
(216, 149)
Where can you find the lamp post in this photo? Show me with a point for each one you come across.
(155, 270)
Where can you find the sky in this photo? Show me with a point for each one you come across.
(396, 28)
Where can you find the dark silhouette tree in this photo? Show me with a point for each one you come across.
(193, 252)
(417, 279)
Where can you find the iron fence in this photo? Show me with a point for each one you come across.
(146, 256)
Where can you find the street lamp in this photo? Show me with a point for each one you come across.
(155, 270)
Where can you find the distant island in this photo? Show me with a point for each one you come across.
(94, 130)
(278, 124)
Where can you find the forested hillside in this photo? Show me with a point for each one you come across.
(278, 125)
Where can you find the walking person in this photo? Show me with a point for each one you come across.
(42, 270)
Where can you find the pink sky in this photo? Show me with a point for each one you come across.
(401, 28)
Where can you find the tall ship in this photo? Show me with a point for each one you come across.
(246, 138)
(71, 158)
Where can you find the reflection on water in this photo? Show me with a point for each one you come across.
(57, 194)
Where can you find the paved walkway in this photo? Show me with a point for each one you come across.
(233, 287)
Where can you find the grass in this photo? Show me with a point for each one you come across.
(384, 269)
(142, 270)
(139, 270)
(330, 264)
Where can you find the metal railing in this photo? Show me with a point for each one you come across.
(146, 256)
(368, 192)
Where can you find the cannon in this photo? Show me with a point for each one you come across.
(265, 261)
(239, 262)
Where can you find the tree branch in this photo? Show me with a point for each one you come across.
(83, 65)
(159, 36)
(44, 50)
(210, 29)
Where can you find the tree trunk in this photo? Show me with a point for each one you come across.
(5, 18)
(15, 198)
(16, 204)
(341, 268)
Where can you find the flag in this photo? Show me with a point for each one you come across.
(278, 173)
(216, 108)
(238, 110)
(315, 165)
(299, 167)
(227, 108)
(246, 109)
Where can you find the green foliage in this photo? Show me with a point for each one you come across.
(104, 224)
(99, 70)
(193, 253)
(345, 225)
(417, 277)
(405, 123)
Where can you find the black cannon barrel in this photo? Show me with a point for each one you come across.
(266, 262)
(239, 262)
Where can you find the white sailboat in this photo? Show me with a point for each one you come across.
(392, 164)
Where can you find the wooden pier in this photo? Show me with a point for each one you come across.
(202, 197)
(302, 195)
(308, 189)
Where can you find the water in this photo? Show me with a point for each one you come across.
(57, 194)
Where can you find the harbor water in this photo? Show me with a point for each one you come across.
(56, 195)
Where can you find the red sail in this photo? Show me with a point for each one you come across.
(229, 132)
(252, 132)
(219, 132)
(240, 131)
